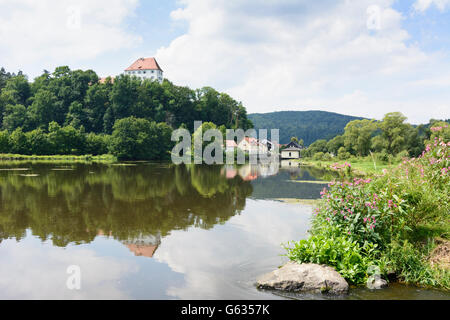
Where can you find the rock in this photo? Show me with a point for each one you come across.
(376, 283)
(306, 277)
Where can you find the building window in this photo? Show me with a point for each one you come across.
(290, 155)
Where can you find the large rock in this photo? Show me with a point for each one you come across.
(308, 277)
(376, 283)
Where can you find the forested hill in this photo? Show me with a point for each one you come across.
(307, 125)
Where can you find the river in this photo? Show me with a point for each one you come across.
(155, 231)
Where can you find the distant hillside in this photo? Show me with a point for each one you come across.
(307, 125)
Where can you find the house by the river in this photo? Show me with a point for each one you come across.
(292, 151)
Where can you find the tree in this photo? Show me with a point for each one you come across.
(96, 144)
(77, 116)
(42, 110)
(138, 139)
(66, 140)
(97, 102)
(124, 96)
(15, 117)
(335, 144)
(19, 142)
(5, 145)
(317, 146)
(4, 76)
(20, 87)
(358, 135)
(38, 143)
(394, 132)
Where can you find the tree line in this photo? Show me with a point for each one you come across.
(73, 112)
(390, 137)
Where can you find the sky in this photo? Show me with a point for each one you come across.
(356, 57)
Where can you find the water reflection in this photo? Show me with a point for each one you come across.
(148, 231)
(126, 203)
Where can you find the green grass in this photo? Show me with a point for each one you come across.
(363, 166)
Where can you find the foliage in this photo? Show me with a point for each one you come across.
(396, 212)
(348, 257)
(140, 139)
(307, 125)
(71, 112)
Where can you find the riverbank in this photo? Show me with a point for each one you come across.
(360, 166)
(389, 223)
(58, 158)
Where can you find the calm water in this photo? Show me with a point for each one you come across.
(153, 231)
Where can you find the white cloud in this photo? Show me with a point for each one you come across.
(423, 5)
(225, 264)
(352, 57)
(39, 271)
(52, 32)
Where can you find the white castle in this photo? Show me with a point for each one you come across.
(145, 68)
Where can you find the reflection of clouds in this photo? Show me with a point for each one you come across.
(225, 262)
(32, 270)
(273, 222)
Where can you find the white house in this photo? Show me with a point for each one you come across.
(252, 145)
(146, 68)
(291, 153)
(230, 145)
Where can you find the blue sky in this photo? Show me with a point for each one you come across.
(358, 57)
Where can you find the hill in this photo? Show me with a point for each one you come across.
(307, 125)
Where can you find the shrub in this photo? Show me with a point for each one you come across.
(318, 156)
(402, 155)
(383, 156)
(96, 144)
(348, 257)
(327, 157)
(394, 213)
(5, 146)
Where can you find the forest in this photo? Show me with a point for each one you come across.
(73, 112)
(390, 137)
(306, 125)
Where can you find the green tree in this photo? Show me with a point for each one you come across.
(38, 143)
(138, 139)
(19, 142)
(395, 132)
(124, 96)
(5, 145)
(96, 144)
(42, 110)
(15, 117)
(97, 102)
(77, 116)
(335, 144)
(358, 135)
(317, 146)
(66, 140)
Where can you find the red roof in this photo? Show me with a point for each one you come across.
(103, 80)
(144, 64)
(230, 143)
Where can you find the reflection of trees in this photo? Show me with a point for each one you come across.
(126, 202)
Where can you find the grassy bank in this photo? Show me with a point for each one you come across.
(360, 166)
(66, 158)
(395, 222)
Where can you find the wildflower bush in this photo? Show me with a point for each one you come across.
(364, 222)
